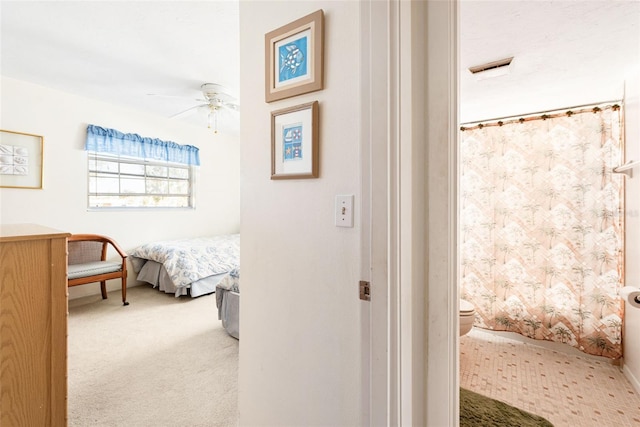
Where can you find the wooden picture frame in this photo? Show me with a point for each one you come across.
(295, 142)
(294, 58)
(21, 160)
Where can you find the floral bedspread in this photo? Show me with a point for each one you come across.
(188, 260)
(231, 281)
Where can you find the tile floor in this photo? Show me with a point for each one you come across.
(565, 386)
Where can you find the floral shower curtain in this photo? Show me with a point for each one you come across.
(542, 227)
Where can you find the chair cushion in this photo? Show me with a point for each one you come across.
(76, 271)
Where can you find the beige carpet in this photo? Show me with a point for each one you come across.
(161, 361)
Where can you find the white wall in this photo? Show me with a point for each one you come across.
(62, 119)
(300, 354)
(631, 337)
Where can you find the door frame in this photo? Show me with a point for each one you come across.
(409, 73)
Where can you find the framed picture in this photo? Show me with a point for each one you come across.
(294, 57)
(20, 160)
(294, 142)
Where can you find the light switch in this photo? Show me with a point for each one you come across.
(344, 211)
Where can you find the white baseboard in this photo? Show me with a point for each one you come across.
(632, 379)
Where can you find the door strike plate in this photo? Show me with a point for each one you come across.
(365, 290)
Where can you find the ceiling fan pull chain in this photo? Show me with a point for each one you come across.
(213, 117)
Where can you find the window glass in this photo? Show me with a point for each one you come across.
(123, 182)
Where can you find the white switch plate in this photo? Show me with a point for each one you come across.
(344, 211)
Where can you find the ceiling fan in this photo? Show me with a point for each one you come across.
(213, 101)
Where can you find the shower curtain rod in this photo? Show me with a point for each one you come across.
(530, 116)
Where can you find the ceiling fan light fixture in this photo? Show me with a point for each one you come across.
(214, 101)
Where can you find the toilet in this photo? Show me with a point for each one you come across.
(467, 316)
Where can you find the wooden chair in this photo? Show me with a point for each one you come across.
(87, 255)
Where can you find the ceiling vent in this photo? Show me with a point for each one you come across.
(491, 70)
(491, 65)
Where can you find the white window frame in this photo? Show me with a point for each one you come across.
(147, 194)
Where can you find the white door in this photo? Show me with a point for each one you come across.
(374, 169)
(409, 122)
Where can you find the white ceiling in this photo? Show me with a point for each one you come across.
(122, 51)
(565, 52)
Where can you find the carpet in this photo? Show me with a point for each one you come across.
(477, 410)
(161, 361)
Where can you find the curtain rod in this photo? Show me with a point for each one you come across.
(470, 125)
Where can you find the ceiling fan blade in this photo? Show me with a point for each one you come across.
(231, 106)
(162, 95)
(181, 113)
(159, 95)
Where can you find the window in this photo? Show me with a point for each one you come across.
(131, 171)
(127, 182)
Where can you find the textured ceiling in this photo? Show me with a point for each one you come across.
(565, 52)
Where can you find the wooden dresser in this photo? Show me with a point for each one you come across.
(33, 326)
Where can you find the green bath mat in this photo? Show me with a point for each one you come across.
(477, 410)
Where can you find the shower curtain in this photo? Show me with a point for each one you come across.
(542, 226)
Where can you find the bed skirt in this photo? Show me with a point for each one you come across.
(228, 303)
(154, 273)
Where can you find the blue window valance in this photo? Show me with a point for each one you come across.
(111, 141)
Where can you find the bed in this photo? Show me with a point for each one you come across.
(187, 266)
(228, 302)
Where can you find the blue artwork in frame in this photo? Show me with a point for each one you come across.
(292, 142)
(293, 59)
